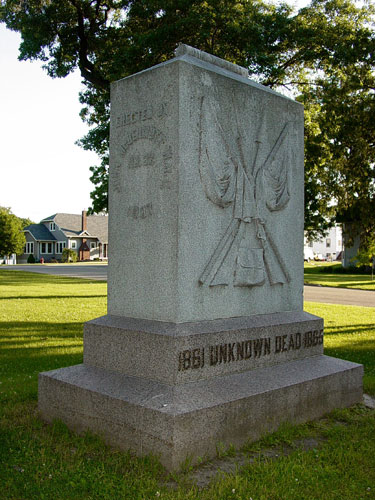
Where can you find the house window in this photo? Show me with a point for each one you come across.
(60, 245)
(29, 248)
(52, 226)
(73, 245)
(310, 244)
(46, 248)
(93, 245)
(328, 242)
(339, 243)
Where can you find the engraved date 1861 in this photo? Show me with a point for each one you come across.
(139, 212)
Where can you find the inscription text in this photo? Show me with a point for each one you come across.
(233, 352)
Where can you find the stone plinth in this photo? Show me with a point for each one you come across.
(190, 420)
(206, 340)
(180, 353)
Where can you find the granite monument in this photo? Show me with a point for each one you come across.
(205, 340)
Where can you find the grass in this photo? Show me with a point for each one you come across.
(41, 320)
(53, 264)
(320, 273)
(349, 333)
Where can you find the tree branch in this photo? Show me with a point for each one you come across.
(87, 68)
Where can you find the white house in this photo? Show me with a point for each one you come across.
(329, 248)
(9, 259)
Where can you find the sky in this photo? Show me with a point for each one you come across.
(42, 171)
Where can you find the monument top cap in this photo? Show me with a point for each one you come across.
(184, 49)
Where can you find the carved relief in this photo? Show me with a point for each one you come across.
(116, 178)
(139, 212)
(137, 160)
(144, 132)
(241, 170)
(166, 178)
(146, 163)
(148, 113)
(250, 349)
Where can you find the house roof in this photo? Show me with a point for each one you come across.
(47, 219)
(40, 232)
(71, 225)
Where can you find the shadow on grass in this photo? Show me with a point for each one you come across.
(18, 331)
(357, 283)
(8, 277)
(358, 350)
(29, 347)
(12, 350)
(15, 333)
(42, 297)
(359, 345)
(25, 364)
(319, 269)
(43, 359)
(353, 329)
(363, 356)
(16, 364)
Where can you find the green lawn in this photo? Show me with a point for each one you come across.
(349, 333)
(319, 273)
(41, 321)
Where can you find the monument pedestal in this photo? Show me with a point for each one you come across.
(190, 421)
(205, 341)
(181, 390)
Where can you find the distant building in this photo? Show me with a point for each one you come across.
(86, 234)
(8, 259)
(329, 248)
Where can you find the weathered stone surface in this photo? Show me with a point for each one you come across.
(179, 353)
(206, 195)
(190, 420)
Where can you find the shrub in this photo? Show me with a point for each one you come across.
(338, 269)
(69, 255)
(31, 259)
(351, 270)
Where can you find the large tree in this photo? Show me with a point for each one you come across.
(108, 40)
(338, 92)
(324, 54)
(12, 238)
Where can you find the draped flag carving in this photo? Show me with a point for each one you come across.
(234, 173)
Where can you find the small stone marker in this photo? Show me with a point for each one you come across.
(206, 340)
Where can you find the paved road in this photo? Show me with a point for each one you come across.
(327, 295)
(346, 296)
(89, 271)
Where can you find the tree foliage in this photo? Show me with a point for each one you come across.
(339, 101)
(12, 239)
(324, 54)
(366, 255)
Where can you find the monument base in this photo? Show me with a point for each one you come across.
(178, 353)
(176, 422)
